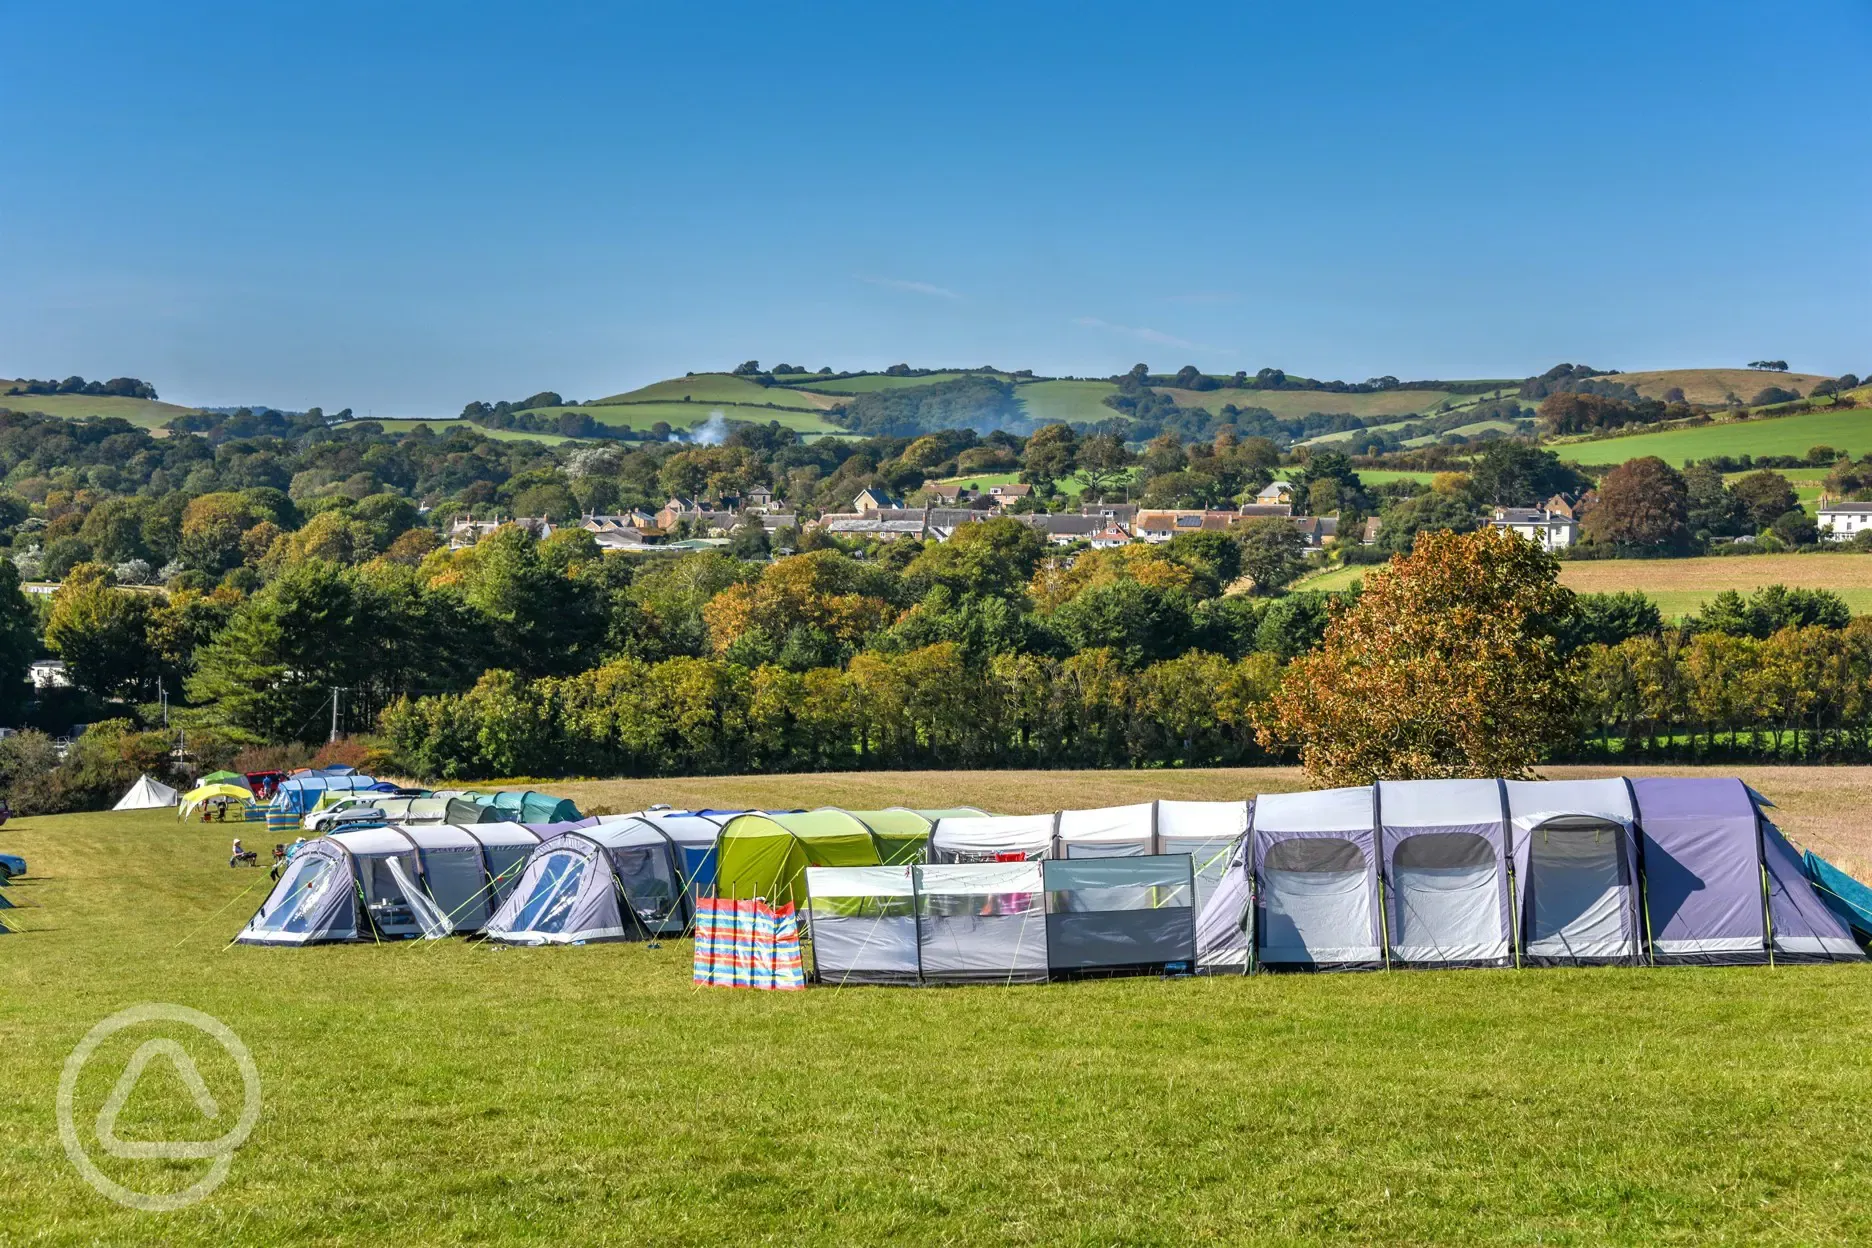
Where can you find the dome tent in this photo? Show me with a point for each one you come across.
(620, 878)
(391, 884)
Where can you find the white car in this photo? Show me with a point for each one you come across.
(345, 810)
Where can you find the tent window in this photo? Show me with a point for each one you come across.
(1310, 855)
(299, 895)
(1444, 851)
(547, 908)
(1579, 889)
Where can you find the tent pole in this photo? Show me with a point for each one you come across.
(1514, 900)
(1638, 866)
(1384, 904)
(1761, 860)
(916, 916)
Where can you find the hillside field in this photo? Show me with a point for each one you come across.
(467, 1093)
(443, 426)
(680, 415)
(1681, 586)
(145, 413)
(718, 388)
(1714, 385)
(1849, 429)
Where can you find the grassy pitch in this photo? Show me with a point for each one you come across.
(452, 1093)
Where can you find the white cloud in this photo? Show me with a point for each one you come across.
(1145, 334)
(915, 288)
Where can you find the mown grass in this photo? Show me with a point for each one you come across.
(450, 1093)
(1681, 586)
(1071, 402)
(441, 427)
(680, 415)
(872, 383)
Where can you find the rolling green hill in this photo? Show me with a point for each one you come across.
(874, 382)
(441, 427)
(1849, 430)
(718, 388)
(146, 413)
(1074, 402)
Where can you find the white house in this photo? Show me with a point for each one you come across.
(49, 674)
(1841, 522)
(1547, 529)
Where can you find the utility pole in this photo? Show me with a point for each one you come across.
(334, 731)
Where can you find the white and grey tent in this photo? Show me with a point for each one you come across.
(993, 838)
(1204, 830)
(1576, 871)
(622, 878)
(147, 794)
(1315, 876)
(391, 883)
(1443, 846)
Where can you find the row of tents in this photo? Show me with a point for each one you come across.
(1454, 873)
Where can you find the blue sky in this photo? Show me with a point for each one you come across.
(399, 208)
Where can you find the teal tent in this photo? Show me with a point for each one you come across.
(1845, 896)
(517, 806)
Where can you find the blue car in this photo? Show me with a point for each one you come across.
(10, 866)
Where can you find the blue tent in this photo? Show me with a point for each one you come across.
(1845, 896)
(301, 792)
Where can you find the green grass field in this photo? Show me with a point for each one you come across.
(870, 384)
(1384, 476)
(680, 415)
(1848, 430)
(1072, 402)
(145, 413)
(1680, 587)
(1289, 404)
(453, 1093)
(717, 388)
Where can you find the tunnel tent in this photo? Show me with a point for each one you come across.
(301, 791)
(1576, 864)
(461, 811)
(1444, 853)
(1316, 881)
(420, 810)
(696, 834)
(764, 854)
(1107, 832)
(1723, 885)
(619, 879)
(530, 806)
(993, 838)
(388, 884)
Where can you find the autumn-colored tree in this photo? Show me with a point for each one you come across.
(1447, 665)
(1642, 502)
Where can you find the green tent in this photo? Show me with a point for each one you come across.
(765, 854)
(224, 777)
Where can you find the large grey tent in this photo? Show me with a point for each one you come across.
(622, 878)
(391, 884)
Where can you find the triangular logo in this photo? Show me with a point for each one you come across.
(126, 1083)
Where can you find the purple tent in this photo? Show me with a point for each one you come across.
(1723, 886)
(1444, 850)
(1316, 881)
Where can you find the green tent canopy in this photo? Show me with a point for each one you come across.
(765, 854)
(224, 777)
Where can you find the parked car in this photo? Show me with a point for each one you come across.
(346, 810)
(10, 866)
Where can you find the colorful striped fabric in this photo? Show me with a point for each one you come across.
(747, 944)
